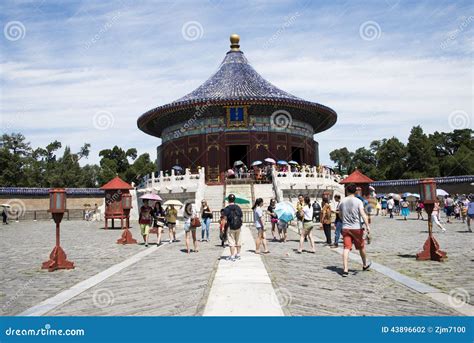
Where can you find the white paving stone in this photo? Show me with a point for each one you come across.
(243, 288)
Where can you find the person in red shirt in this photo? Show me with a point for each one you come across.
(145, 220)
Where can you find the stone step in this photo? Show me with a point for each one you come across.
(214, 195)
(244, 190)
(264, 191)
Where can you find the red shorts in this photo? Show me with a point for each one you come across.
(355, 237)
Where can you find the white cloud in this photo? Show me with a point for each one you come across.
(54, 81)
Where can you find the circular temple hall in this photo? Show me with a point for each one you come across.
(236, 115)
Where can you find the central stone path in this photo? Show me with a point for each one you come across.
(243, 287)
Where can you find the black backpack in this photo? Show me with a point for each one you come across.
(235, 221)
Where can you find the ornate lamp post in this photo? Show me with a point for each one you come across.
(126, 234)
(57, 207)
(431, 247)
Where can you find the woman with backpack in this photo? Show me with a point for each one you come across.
(260, 225)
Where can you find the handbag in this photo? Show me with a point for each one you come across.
(195, 222)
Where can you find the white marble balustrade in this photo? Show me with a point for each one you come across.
(185, 182)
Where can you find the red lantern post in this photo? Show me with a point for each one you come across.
(431, 247)
(126, 234)
(57, 207)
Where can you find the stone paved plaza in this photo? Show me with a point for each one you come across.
(170, 282)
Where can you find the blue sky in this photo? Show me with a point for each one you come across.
(84, 71)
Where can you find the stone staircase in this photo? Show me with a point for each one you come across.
(244, 190)
(214, 195)
(264, 191)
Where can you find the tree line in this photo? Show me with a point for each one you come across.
(437, 154)
(23, 166)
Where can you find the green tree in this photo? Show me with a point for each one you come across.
(454, 151)
(141, 167)
(90, 176)
(391, 156)
(117, 161)
(14, 155)
(421, 158)
(343, 159)
(365, 160)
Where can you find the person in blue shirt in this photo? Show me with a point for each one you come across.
(470, 211)
(383, 204)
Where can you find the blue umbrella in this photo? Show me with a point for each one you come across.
(407, 194)
(282, 163)
(285, 211)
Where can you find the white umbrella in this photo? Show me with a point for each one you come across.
(394, 196)
(173, 202)
(151, 196)
(441, 192)
(270, 160)
(413, 197)
(5, 205)
(256, 163)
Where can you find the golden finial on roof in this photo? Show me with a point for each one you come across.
(234, 42)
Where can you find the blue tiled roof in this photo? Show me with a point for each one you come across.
(236, 83)
(414, 182)
(236, 79)
(45, 191)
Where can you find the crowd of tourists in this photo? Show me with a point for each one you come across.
(261, 172)
(351, 218)
(459, 207)
(348, 216)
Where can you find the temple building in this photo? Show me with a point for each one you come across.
(236, 115)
